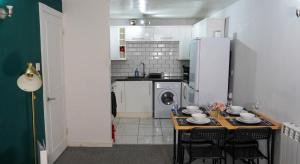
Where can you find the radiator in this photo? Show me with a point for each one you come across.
(290, 144)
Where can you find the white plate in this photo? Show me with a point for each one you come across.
(199, 122)
(235, 113)
(254, 120)
(194, 112)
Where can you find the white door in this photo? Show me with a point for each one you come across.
(53, 77)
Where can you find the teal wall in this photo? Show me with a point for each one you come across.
(19, 44)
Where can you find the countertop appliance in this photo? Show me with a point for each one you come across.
(166, 95)
(209, 70)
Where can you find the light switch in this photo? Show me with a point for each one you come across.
(38, 66)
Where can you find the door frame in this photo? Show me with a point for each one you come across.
(46, 9)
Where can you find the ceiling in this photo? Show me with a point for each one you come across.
(123, 9)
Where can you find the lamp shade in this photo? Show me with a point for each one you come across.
(31, 80)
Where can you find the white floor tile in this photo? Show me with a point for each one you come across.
(143, 131)
(167, 132)
(150, 131)
(168, 139)
(129, 121)
(126, 139)
(150, 123)
(127, 130)
(150, 140)
(166, 123)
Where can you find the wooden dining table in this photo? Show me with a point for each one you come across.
(220, 120)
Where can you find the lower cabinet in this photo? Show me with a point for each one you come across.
(134, 98)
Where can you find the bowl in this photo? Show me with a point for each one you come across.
(247, 116)
(192, 108)
(198, 116)
(236, 109)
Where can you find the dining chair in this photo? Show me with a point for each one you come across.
(244, 145)
(204, 143)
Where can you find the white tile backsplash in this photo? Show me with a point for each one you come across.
(158, 56)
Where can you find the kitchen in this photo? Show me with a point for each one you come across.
(150, 71)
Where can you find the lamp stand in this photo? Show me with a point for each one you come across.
(33, 127)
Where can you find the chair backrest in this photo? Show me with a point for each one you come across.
(210, 134)
(246, 134)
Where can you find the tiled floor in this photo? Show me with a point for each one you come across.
(143, 131)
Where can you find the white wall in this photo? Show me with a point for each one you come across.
(157, 22)
(266, 52)
(87, 62)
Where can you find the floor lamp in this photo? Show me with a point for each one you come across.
(31, 81)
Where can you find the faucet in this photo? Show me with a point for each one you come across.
(144, 73)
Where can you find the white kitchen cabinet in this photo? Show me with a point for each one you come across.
(138, 96)
(185, 36)
(207, 28)
(166, 33)
(117, 39)
(139, 33)
(119, 89)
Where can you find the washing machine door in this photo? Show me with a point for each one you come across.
(167, 98)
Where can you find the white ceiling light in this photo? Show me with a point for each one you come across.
(142, 22)
(142, 6)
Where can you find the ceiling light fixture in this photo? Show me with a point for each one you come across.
(6, 12)
(142, 22)
(298, 12)
(132, 22)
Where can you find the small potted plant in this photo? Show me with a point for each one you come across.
(216, 108)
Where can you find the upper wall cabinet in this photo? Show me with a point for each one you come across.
(183, 34)
(117, 43)
(185, 37)
(208, 28)
(166, 33)
(139, 33)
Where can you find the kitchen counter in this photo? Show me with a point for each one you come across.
(166, 78)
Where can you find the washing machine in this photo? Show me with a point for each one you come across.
(166, 95)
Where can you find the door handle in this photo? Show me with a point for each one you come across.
(184, 92)
(51, 99)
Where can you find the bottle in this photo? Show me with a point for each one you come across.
(136, 73)
(174, 110)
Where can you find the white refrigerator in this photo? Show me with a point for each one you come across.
(209, 70)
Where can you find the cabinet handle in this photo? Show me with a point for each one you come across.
(149, 89)
(121, 96)
(166, 38)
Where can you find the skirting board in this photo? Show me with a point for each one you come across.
(135, 114)
(89, 144)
